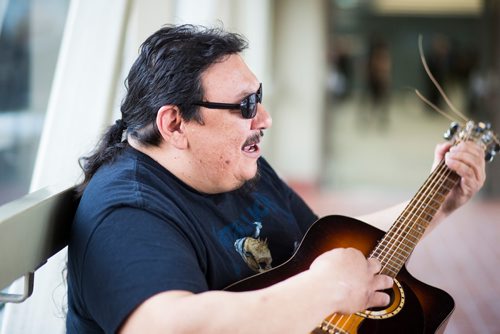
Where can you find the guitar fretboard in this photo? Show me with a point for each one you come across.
(399, 242)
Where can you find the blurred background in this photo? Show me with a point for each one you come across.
(349, 133)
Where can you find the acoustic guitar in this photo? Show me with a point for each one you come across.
(415, 307)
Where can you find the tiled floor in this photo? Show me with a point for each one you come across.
(371, 166)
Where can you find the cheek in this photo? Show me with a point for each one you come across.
(223, 152)
(219, 144)
(230, 152)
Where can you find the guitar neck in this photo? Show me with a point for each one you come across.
(399, 242)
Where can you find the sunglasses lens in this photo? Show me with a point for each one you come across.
(249, 106)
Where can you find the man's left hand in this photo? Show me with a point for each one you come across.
(467, 160)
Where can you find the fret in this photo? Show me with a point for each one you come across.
(427, 215)
(399, 244)
(398, 238)
(402, 254)
(429, 202)
(417, 225)
(398, 259)
(389, 249)
(327, 327)
(389, 271)
(382, 253)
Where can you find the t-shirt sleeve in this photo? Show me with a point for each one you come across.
(131, 256)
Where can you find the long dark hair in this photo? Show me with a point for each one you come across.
(167, 72)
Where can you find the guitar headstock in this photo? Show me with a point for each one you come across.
(480, 133)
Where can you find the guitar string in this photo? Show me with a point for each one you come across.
(442, 180)
(434, 188)
(396, 232)
(412, 215)
(401, 230)
(418, 211)
(429, 186)
(341, 317)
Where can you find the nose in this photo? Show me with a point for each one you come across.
(262, 119)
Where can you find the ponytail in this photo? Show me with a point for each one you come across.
(109, 146)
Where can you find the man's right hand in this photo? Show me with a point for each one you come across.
(350, 281)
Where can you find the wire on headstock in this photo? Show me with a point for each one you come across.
(487, 136)
(438, 86)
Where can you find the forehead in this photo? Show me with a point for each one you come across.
(229, 78)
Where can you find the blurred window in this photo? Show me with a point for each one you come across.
(30, 37)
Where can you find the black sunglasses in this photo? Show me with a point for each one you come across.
(247, 107)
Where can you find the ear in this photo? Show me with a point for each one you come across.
(170, 124)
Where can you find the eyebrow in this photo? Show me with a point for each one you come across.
(249, 92)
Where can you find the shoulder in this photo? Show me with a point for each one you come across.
(132, 180)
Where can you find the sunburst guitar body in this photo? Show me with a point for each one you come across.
(415, 306)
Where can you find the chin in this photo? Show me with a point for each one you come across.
(253, 176)
(251, 172)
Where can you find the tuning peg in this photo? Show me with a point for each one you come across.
(487, 137)
(452, 130)
(481, 127)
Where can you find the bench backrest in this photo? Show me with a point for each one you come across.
(32, 229)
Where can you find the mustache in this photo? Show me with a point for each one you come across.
(254, 139)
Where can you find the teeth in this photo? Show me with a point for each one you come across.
(250, 148)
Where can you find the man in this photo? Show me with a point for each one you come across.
(177, 204)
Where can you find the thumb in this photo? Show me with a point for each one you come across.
(439, 152)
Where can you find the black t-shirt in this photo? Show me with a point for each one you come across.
(139, 231)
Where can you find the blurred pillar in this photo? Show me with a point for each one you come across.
(252, 19)
(300, 70)
(493, 170)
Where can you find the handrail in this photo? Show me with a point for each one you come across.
(32, 229)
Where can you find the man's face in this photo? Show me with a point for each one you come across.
(225, 148)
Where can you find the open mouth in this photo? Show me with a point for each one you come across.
(251, 145)
(250, 148)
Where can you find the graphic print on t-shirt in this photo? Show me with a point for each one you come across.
(254, 251)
